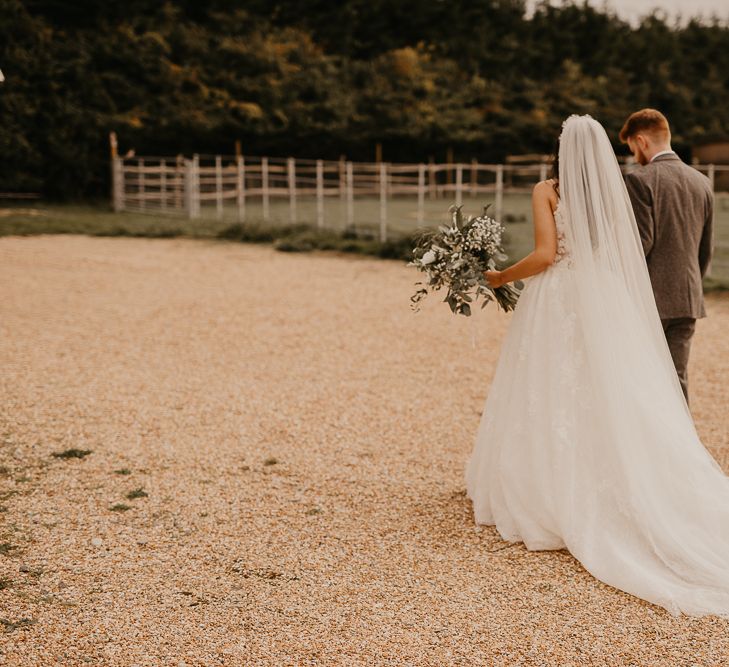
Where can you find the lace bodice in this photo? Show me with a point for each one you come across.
(563, 254)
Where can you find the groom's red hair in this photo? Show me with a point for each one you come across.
(649, 121)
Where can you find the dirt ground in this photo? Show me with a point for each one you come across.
(292, 438)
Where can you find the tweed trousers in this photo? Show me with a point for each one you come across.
(679, 331)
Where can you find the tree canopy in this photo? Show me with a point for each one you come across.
(310, 78)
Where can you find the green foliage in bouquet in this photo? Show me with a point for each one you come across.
(455, 257)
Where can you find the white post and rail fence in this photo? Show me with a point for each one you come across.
(327, 193)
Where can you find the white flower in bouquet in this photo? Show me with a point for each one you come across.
(428, 257)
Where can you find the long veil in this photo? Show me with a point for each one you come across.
(615, 293)
(652, 515)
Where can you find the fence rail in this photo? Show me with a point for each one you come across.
(182, 186)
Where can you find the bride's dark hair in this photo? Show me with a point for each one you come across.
(554, 173)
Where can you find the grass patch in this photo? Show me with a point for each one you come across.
(712, 284)
(119, 507)
(262, 573)
(137, 493)
(6, 548)
(258, 233)
(97, 219)
(33, 572)
(123, 471)
(148, 233)
(10, 626)
(303, 238)
(72, 454)
(5, 583)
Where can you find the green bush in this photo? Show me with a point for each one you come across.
(303, 238)
(259, 233)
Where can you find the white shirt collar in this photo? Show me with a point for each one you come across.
(662, 153)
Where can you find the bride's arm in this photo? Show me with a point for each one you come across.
(545, 240)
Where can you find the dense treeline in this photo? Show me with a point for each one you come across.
(313, 78)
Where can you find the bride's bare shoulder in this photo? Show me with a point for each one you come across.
(545, 191)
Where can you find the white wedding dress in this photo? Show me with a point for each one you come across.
(586, 441)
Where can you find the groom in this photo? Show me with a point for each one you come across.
(673, 206)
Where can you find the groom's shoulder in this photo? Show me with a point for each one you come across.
(672, 173)
(678, 170)
(673, 167)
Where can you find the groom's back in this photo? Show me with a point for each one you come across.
(673, 206)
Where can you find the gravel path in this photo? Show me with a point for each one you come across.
(300, 436)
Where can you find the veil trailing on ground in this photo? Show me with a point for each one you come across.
(661, 500)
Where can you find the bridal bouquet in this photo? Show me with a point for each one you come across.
(455, 256)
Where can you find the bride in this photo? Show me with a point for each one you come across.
(586, 441)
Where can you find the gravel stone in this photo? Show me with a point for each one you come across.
(179, 360)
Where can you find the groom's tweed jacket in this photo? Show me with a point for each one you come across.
(673, 206)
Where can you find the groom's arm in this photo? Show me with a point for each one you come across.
(706, 244)
(640, 198)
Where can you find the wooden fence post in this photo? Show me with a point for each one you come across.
(319, 193)
(474, 176)
(350, 194)
(219, 187)
(163, 184)
(291, 163)
(421, 193)
(117, 183)
(499, 203)
(196, 186)
(459, 184)
(432, 180)
(383, 202)
(113, 155)
(264, 186)
(141, 192)
(189, 198)
(179, 182)
(342, 177)
(241, 186)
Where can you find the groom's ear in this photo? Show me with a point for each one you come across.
(642, 141)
